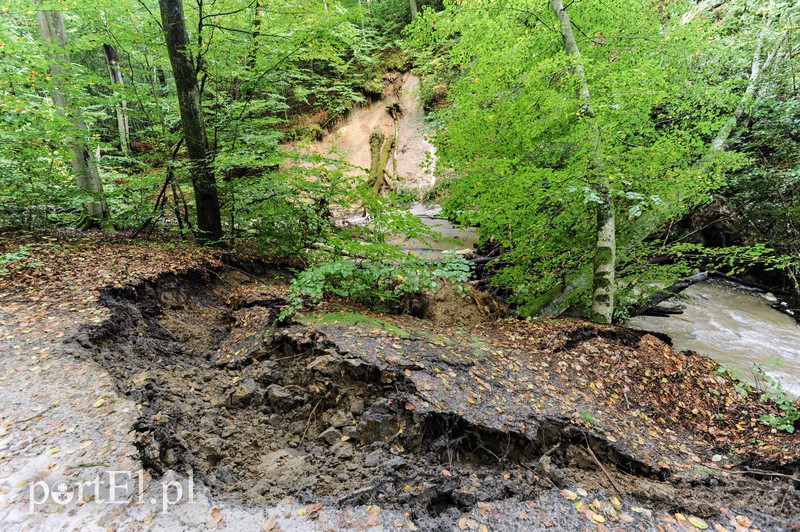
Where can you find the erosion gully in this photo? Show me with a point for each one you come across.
(258, 417)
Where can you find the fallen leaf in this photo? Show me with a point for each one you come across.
(270, 524)
(315, 507)
(744, 521)
(698, 523)
(569, 495)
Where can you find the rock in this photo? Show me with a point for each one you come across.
(280, 398)
(357, 405)
(244, 393)
(268, 373)
(331, 436)
(275, 420)
(379, 423)
(351, 431)
(225, 475)
(341, 418)
(343, 450)
(395, 463)
(464, 497)
(373, 459)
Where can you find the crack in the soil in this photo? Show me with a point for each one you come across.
(292, 415)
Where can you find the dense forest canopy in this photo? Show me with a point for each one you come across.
(580, 138)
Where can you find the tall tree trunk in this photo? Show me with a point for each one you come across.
(413, 5)
(605, 248)
(720, 142)
(84, 166)
(114, 72)
(252, 55)
(209, 220)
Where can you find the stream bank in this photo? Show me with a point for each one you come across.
(510, 425)
(348, 408)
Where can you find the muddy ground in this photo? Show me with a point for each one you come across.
(441, 427)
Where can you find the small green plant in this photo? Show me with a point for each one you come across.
(7, 259)
(382, 283)
(774, 392)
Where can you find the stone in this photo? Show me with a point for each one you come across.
(373, 459)
(342, 450)
(280, 398)
(341, 418)
(357, 405)
(395, 463)
(243, 393)
(331, 436)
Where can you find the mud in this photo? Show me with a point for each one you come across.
(260, 412)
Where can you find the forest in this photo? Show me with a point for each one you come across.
(408, 264)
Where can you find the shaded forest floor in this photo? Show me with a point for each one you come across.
(123, 355)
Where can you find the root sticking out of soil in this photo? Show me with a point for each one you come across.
(260, 412)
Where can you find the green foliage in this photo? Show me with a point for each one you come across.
(24, 252)
(772, 391)
(377, 281)
(518, 138)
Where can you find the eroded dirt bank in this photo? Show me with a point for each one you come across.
(517, 425)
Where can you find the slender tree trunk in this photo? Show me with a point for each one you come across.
(87, 176)
(605, 248)
(720, 142)
(252, 55)
(114, 72)
(209, 220)
(413, 6)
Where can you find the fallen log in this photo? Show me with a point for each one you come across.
(380, 145)
(671, 290)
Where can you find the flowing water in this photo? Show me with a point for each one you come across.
(730, 323)
(737, 327)
(452, 237)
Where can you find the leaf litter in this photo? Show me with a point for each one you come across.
(515, 411)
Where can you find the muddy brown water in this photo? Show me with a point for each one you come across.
(451, 237)
(737, 327)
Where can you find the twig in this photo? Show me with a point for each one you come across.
(357, 493)
(613, 484)
(310, 416)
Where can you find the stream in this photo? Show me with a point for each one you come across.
(450, 237)
(732, 324)
(737, 327)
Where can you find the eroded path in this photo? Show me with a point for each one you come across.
(350, 419)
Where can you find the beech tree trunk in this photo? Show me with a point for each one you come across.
(114, 72)
(209, 221)
(720, 142)
(605, 247)
(252, 54)
(413, 6)
(84, 165)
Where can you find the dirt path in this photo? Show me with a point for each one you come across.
(353, 420)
